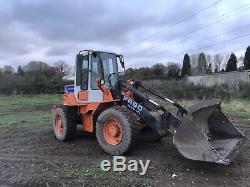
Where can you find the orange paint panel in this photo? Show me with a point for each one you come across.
(69, 99)
(87, 107)
(83, 95)
(107, 96)
(88, 123)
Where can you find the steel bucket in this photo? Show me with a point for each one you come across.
(206, 134)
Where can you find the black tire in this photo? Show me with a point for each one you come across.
(149, 135)
(130, 129)
(68, 117)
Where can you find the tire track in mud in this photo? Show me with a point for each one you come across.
(35, 108)
(43, 158)
(51, 157)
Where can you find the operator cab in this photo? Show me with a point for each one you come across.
(93, 65)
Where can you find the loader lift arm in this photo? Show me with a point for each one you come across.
(202, 132)
(134, 88)
(154, 115)
(181, 109)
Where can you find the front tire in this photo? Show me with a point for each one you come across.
(64, 123)
(117, 130)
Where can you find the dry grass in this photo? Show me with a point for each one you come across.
(233, 108)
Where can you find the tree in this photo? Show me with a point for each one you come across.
(130, 73)
(194, 63)
(186, 67)
(20, 71)
(63, 70)
(247, 58)
(173, 71)
(209, 69)
(36, 66)
(158, 70)
(8, 69)
(217, 62)
(202, 64)
(231, 63)
(208, 59)
(145, 73)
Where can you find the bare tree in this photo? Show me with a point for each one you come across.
(217, 62)
(194, 60)
(209, 58)
(202, 64)
(63, 69)
(174, 70)
(8, 69)
(1, 71)
(194, 63)
(241, 61)
(36, 66)
(224, 61)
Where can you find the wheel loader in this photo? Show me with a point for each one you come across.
(121, 112)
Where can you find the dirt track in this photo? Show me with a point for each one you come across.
(32, 157)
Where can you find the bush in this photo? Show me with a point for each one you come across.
(184, 90)
(14, 84)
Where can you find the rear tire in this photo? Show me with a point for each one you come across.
(116, 130)
(64, 123)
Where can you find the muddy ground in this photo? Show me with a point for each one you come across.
(30, 156)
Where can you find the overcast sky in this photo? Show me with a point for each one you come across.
(144, 31)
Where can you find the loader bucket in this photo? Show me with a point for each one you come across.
(206, 134)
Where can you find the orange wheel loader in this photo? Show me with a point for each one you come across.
(122, 112)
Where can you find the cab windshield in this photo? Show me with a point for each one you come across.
(109, 63)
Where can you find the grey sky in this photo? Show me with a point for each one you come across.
(145, 31)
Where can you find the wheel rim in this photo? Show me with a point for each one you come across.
(59, 124)
(112, 132)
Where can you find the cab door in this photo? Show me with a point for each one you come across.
(82, 78)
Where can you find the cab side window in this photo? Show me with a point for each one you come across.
(94, 73)
(85, 73)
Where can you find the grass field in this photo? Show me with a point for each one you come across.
(30, 155)
(233, 108)
(28, 109)
(22, 109)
